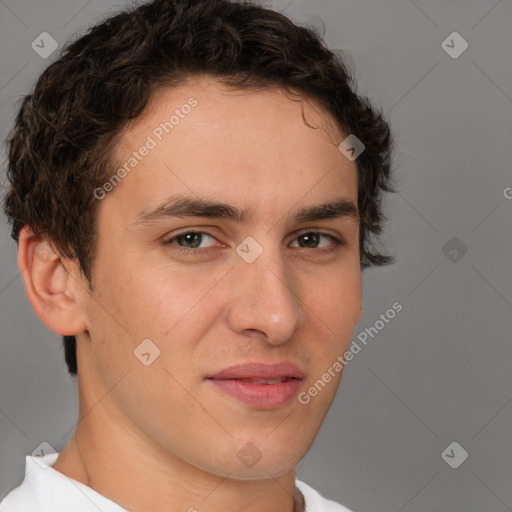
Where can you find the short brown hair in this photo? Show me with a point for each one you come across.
(59, 150)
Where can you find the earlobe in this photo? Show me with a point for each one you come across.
(47, 284)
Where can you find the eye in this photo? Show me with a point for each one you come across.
(189, 237)
(313, 237)
(193, 240)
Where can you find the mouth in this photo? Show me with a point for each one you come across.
(260, 385)
(265, 381)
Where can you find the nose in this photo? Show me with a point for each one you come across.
(266, 303)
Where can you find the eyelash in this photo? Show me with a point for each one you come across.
(338, 243)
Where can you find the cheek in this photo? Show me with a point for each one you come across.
(335, 312)
(336, 299)
(161, 302)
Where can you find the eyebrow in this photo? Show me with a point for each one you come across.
(184, 206)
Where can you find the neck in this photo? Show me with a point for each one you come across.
(108, 455)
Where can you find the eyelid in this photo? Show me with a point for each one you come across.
(316, 230)
(302, 231)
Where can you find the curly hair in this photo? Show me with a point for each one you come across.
(60, 148)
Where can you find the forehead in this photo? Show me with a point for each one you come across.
(228, 103)
(240, 146)
(202, 105)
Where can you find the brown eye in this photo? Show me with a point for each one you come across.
(312, 239)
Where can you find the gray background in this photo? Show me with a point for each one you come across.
(440, 370)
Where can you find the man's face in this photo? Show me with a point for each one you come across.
(266, 290)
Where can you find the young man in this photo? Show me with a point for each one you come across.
(194, 188)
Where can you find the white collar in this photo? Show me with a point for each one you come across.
(45, 488)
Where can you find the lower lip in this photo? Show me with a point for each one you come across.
(260, 396)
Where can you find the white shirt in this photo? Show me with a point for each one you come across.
(45, 489)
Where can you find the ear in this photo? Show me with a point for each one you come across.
(52, 291)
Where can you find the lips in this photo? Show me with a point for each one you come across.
(261, 371)
(260, 385)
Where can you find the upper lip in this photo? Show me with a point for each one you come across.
(260, 370)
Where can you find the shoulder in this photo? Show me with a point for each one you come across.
(45, 489)
(315, 502)
(21, 497)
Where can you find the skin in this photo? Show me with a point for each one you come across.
(206, 312)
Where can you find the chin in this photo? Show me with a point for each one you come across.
(246, 460)
(262, 470)
(271, 459)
